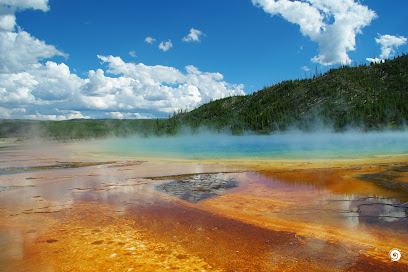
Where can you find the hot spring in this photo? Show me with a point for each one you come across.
(206, 146)
(214, 202)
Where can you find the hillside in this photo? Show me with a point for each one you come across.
(367, 97)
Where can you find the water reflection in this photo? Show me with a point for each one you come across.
(335, 196)
(296, 215)
(385, 212)
(14, 249)
(294, 145)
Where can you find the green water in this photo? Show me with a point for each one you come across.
(280, 146)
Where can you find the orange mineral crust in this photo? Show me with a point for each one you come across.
(323, 203)
(63, 212)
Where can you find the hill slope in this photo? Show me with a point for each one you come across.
(366, 97)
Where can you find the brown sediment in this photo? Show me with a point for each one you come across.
(234, 245)
(337, 180)
(290, 211)
(365, 263)
(189, 240)
(127, 163)
(61, 165)
(395, 178)
(92, 238)
(260, 164)
(293, 217)
(176, 237)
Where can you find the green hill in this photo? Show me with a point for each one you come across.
(367, 97)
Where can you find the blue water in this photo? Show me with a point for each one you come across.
(284, 146)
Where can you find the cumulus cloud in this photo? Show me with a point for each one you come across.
(388, 44)
(42, 91)
(23, 50)
(150, 40)
(60, 116)
(9, 7)
(33, 86)
(375, 60)
(157, 88)
(25, 4)
(193, 36)
(121, 115)
(333, 24)
(7, 22)
(305, 68)
(165, 45)
(52, 91)
(18, 48)
(132, 54)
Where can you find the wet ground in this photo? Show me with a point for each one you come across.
(194, 188)
(58, 213)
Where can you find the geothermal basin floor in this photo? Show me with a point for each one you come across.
(60, 211)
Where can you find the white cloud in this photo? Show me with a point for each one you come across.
(16, 88)
(157, 88)
(305, 68)
(150, 40)
(9, 7)
(193, 36)
(145, 74)
(121, 115)
(388, 43)
(55, 82)
(165, 45)
(375, 60)
(62, 115)
(18, 48)
(52, 91)
(22, 50)
(333, 24)
(7, 22)
(132, 54)
(30, 88)
(25, 4)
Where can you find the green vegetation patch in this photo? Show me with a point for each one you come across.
(365, 97)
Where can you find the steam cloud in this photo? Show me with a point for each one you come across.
(290, 145)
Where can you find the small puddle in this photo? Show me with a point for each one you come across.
(346, 201)
(388, 213)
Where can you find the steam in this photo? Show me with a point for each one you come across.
(290, 145)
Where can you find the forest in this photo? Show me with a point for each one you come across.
(366, 97)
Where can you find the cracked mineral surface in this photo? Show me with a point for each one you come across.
(94, 213)
(195, 188)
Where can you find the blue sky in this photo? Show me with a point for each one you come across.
(243, 46)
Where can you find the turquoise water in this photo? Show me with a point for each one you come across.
(285, 146)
